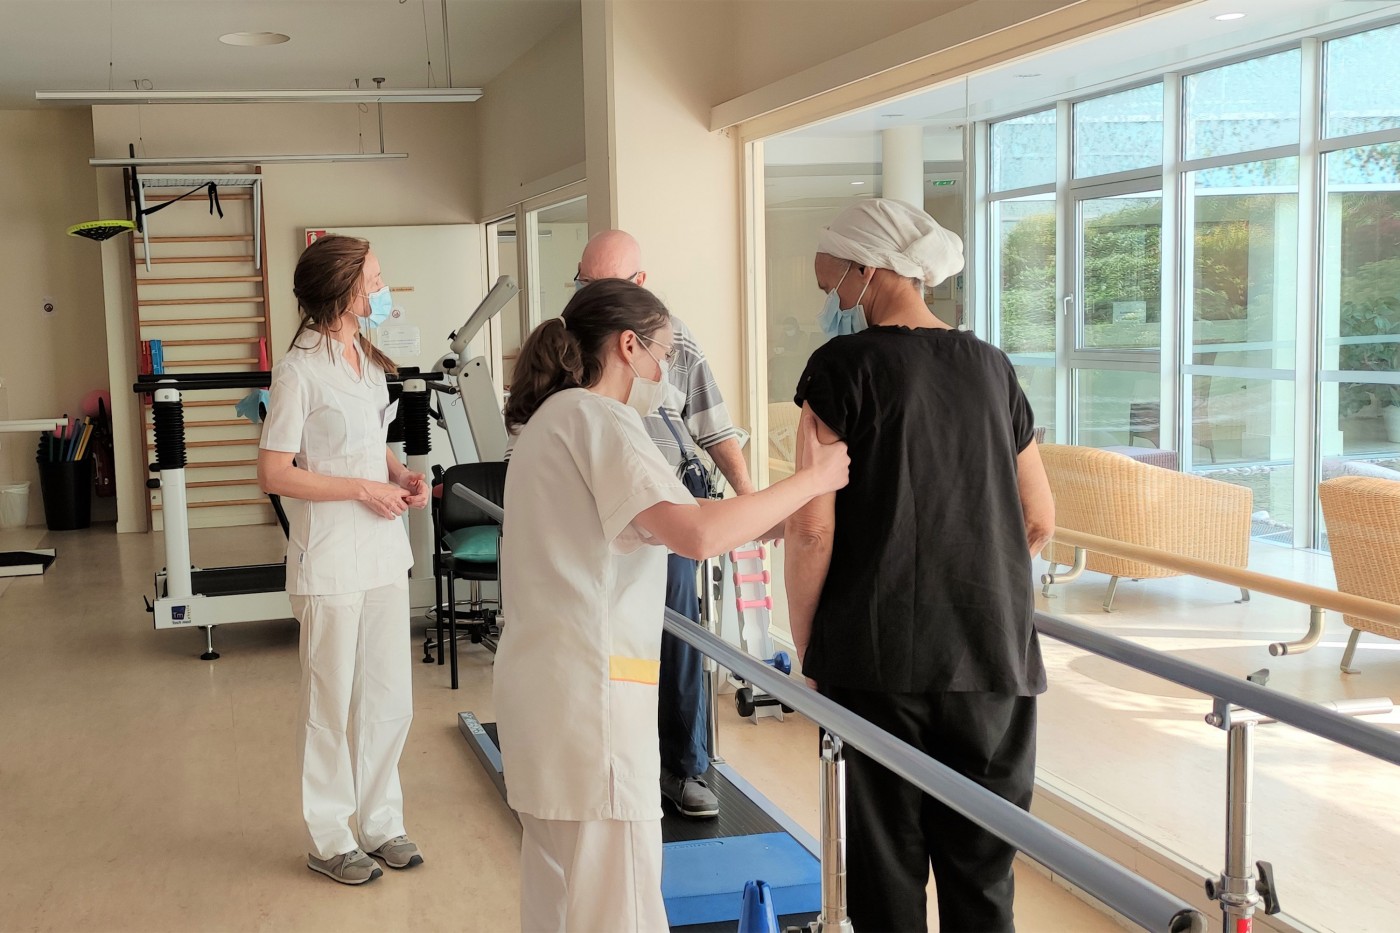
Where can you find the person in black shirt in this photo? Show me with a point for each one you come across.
(910, 591)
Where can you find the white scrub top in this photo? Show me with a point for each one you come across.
(336, 425)
(583, 598)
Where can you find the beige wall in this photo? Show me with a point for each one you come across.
(778, 38)
(531, 123)
(435, 184)
(677, 183)
(47, 362)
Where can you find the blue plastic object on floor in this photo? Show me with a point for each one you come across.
(703, 881)
(758, 916)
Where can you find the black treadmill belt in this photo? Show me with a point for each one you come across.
(239, 581)
(738, 815)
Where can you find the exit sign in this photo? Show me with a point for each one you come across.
(944, 183)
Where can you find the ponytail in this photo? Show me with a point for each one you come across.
(568, 352)
(550, 361)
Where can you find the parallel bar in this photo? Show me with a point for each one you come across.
(1248, 579)
(1131, 895)
(1301, 714)
(150, 382)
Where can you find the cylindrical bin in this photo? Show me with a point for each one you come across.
(14, 505)
(67, 487)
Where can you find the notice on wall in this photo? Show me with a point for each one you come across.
(400, 341)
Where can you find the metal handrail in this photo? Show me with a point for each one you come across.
(1126, 892)
(1345, 603)
(1301, 714)
(1129, 894)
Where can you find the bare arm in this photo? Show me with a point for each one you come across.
(278, 476)
(729, 457)
(415, 483)
(1037, 504)
(810, 533)
(718, 526)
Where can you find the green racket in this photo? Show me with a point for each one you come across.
(101, 229)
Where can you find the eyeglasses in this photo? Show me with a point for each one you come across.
(581, 280)
(671, 349)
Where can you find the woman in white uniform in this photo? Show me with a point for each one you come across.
(575, 677)
(348, 557)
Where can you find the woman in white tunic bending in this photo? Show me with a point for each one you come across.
(575, 678)
(347, 560)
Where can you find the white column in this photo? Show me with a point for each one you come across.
(902, 158)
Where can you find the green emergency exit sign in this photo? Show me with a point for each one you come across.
(944, 182)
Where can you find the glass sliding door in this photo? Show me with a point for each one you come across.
(1023, 296)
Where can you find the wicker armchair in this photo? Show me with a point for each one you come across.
(1113, 496)
(1363, 529)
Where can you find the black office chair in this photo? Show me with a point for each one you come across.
(468, 548)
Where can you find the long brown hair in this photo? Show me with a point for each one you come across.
(327, 279)
(567, 352)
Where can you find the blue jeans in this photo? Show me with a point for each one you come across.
(681, 710)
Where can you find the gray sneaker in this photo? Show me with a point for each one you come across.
(353, 867)
(399, 852)
(691, 796)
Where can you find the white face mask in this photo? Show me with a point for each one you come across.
(646, 396)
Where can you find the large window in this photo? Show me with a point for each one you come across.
(1190, 300)
(1243, 107)
(1118, 132)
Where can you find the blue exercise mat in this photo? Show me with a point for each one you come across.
(703, 880)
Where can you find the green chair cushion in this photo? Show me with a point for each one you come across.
(477, 544)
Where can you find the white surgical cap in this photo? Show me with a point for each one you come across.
(888, 234)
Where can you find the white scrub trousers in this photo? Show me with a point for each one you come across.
(598, 876)
(356, 705)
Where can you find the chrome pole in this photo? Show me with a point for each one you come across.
(709, 617)
(833, 841)
(1238, 897)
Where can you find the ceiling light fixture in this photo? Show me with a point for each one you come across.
(1227, 17)
(249, 159)
(248, 39)
(857, 182)
(411, 95)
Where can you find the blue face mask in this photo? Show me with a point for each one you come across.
(836, 321)
(381, 306)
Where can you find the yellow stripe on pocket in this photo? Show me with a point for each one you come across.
(634, 670)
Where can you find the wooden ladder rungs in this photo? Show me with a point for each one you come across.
(218, 464)
(211, 342)
(210, 483)
(234, 238)
(197, 198)
(191, 321)
(201, 280)
(235, 361)
(221, 502)
(232, 442)
(157, 260)
(166, 302)
(218, 423)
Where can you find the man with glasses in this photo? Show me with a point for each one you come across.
(692, 417)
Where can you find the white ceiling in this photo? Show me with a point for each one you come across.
(64, 44)
(1172, 40)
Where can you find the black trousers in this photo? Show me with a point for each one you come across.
(894, 832)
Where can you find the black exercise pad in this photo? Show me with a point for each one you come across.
(25, 563)
(239, 581)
